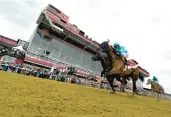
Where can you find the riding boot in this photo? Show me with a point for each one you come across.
(124, 60)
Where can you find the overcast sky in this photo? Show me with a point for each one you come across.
(142, 26)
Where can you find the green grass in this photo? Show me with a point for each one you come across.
(25, 96)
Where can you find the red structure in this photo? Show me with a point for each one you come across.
(9, 43)
(58, 18)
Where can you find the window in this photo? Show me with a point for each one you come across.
(44, 34)
(46, 53)
(98, 67)
(85, 61)
(67, 50)
(55, 48)
(63, 21)
(81, 33)
(57, 24)
(51, 46)
(57, 10)
(75, 61)
(34, 43)
(42, 47)
(77, 54)
(92, 65)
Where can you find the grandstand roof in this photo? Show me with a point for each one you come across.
(133, 62)
(5, 41)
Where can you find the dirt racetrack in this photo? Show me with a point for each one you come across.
(25, 96)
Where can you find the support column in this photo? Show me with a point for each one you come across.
(60, 51)
(19, 61)
(81, 58)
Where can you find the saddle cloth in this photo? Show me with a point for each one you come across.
(131, 64)
(157, 84)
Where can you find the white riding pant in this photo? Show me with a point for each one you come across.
(125, 55)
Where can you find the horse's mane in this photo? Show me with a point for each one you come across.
(108, 48)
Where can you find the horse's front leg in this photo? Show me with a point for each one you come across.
(110, 81)
(158, 96)
(123, 83)
(134, 87)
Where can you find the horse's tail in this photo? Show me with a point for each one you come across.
(162, 89)
(141, 77)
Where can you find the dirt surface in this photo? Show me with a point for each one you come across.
(25, 96)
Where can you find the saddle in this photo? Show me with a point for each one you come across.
(157, 84)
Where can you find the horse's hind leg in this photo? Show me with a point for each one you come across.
(113, 87)
(134, 87)
(123, 83)
(164, 95)
(158, 97)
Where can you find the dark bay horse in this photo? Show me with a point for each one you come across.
(118, 67)
(106, 65)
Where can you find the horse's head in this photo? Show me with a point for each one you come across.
(105, 45)
(96, 57)
(149, 81)
(99, 56)
(109, 50)
(103, 58)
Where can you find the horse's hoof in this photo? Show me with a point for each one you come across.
(113, 92)
(133, 94)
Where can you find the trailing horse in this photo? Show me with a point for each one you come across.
(119, 68)
(156, 88)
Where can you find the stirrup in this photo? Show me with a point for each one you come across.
(125, 62)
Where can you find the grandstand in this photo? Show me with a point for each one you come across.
(56, 41)
(59, 41)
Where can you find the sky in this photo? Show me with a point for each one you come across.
(141, 26)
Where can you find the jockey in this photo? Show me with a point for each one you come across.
(155, 80)
(125, 54)
(120, 50)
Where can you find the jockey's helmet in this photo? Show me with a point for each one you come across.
(116, 45)
(154, 78)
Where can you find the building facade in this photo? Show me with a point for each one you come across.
(57, 40)
(60, 46)
(58, 50)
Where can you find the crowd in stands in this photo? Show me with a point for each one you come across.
(58, 75)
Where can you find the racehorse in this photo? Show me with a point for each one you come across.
(156, 88)
(106, 65)
(118, 67)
